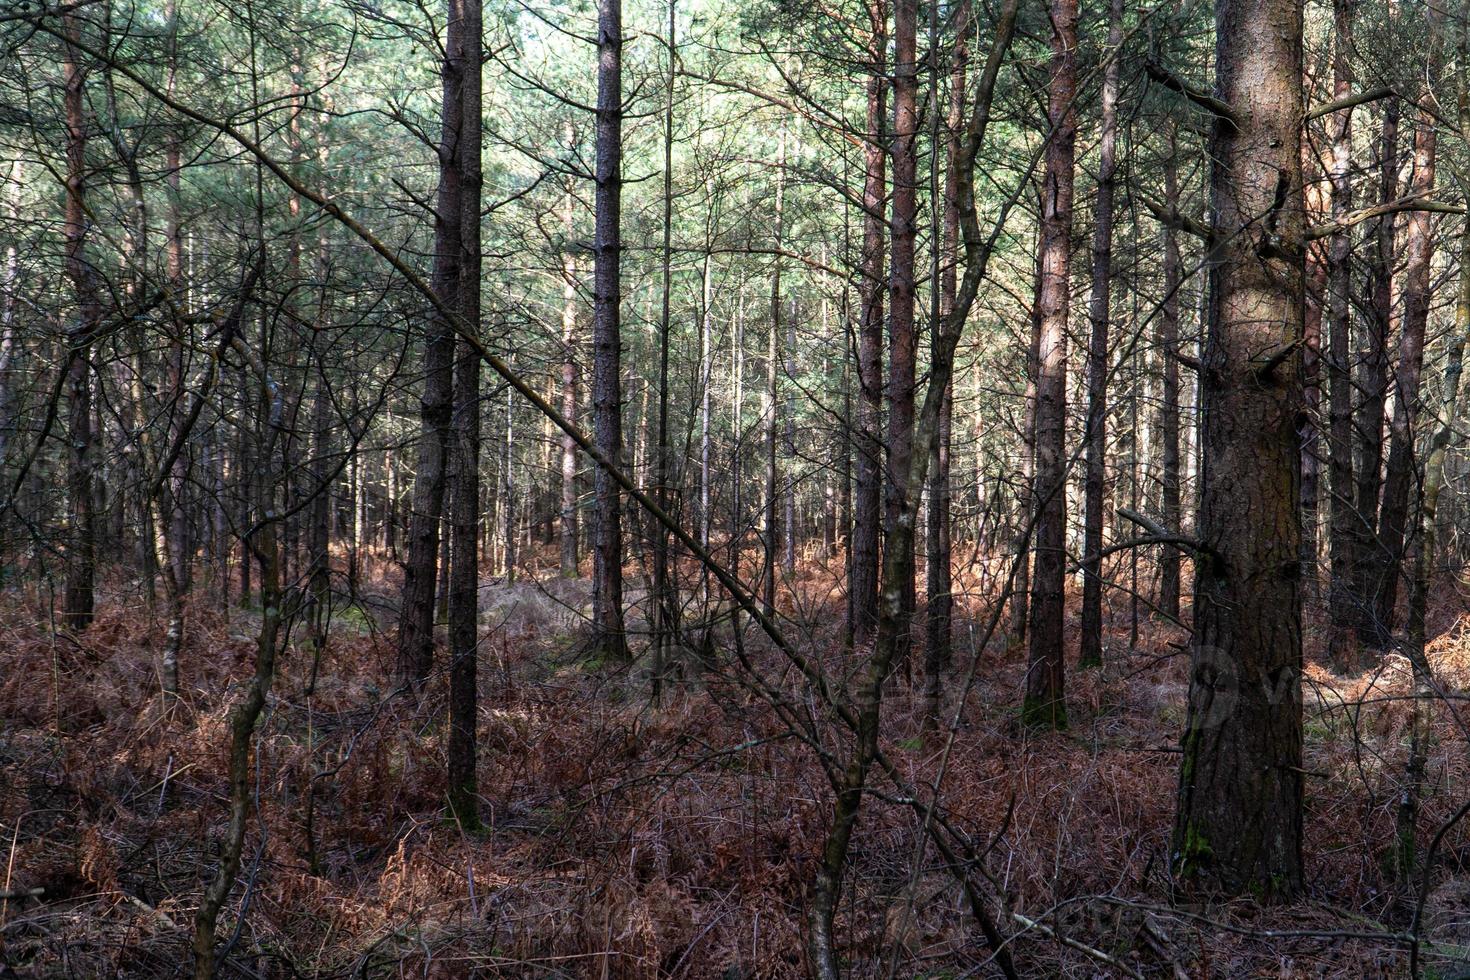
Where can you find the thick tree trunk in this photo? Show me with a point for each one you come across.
(1239, 821)
(609, 639)
(1045, 702)
(1097, 352)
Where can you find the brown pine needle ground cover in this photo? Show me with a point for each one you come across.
(627, 840)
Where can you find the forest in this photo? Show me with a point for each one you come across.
(734, 489)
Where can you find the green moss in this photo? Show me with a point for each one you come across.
(1044, 713)
(1194, 852)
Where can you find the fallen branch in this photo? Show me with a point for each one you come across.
(1083, 948)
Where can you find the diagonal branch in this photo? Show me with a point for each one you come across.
(1218, 108)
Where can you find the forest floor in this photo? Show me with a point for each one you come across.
(628, 840)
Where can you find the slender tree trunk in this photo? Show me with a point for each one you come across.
(422, 571)
(1373, 381)
(181, 547)
(1097, 353)
(868, 490)
(1407, 817)
(81, 560)
(466, 45)
(609, 638)
(1169, 471)
(1239, 821)
(1401, 473)
(263, 541)
(706, 366)
(770, 524)
(1045, 702)
(570, 559)
(1314, 295)
(902, 347)
(663, 600)
(1026, 494)
(938, 640)
(1341, 602)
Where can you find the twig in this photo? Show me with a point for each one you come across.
(1095, 953)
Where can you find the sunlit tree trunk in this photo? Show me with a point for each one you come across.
(607, 397)
(1401, 473)
(1045, 702)
(1238, 826)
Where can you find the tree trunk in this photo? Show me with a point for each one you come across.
(1401, 473)
(1045, 702)
(465, 45)
(1373, 381)
(1239, 819)
(608, 639)
(1342, 604)
(81, 559)
(1097, 352)
(770, 521)
(902, 349)
(938, 639)
(421, 573)
(1169, 471)
(868, 489)
(569, 555)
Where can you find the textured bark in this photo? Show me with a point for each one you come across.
(181, 547)
(1097, 352)
(421, 572)
(607, 399)
(1238, 826)
(1401, 473)
(1045, 701)
(464, 571)
(868, 485)
(902, 349)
